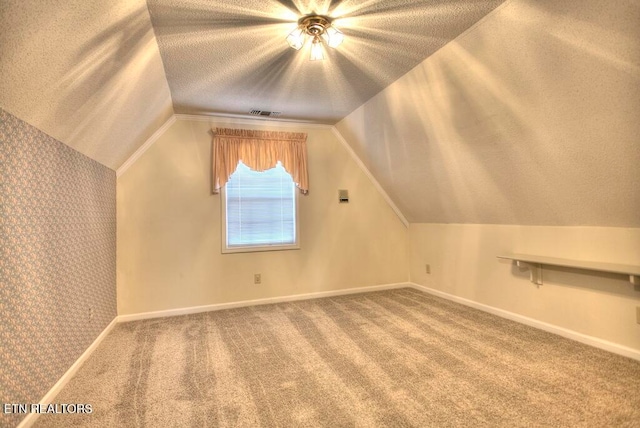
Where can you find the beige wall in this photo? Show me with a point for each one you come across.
(529, 118)
(463, 263)
(169, 229)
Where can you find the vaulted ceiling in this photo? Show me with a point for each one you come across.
(532, 117)
(86, 72)
(231, 56)
(102, 76)
(470, 111)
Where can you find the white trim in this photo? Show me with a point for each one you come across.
(288, 123)
(244, 120)
(272, 122)
(147, 144)
(615, 348)
(266, 301)
(560, 331)
(31, 418)
(366, 171)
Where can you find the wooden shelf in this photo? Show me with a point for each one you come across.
(535, 263)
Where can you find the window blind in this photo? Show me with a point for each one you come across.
(260, 207)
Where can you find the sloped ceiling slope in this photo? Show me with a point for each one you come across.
(532, 117)
(230, 56)
(86, 72)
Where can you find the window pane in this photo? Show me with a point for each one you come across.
(260, 207)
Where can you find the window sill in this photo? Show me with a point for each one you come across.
(256, 249)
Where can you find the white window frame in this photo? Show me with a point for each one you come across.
(257, 248)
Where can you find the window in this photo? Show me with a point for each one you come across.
(259, 211)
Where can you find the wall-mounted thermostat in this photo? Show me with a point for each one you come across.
(343, 196)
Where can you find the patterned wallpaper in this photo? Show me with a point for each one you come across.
(57, 259)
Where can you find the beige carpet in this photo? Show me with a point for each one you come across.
(397, 358)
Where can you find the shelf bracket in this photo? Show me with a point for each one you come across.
(535, 271)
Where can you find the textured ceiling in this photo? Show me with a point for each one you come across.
(231, 56)
(532, 117)
(529, 117)
(86, 72)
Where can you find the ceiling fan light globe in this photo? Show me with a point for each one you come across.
(333, 37)
(316, 50)
(296, 38)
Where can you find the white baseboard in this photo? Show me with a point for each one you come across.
(560, 331)
(266, 301)
(31, 418)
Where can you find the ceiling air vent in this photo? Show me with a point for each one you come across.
(265, 113)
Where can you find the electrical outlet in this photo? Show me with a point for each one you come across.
(257, 278)
(427, 269)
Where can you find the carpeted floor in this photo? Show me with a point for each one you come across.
(396, 358)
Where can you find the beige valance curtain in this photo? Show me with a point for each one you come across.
(259, 150)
